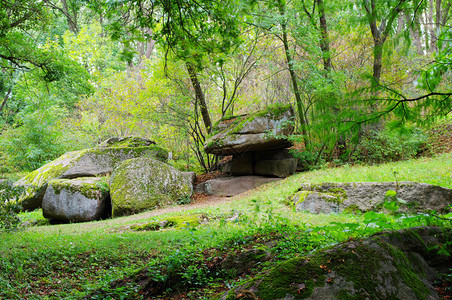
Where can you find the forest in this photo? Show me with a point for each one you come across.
(369, 86)
(361, 75)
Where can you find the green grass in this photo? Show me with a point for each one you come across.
(70, 261)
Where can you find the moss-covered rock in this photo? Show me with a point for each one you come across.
(77, 200)
(178, 222)
(143, 183)
(263, 130)
(365, 196)
(90, 162)
(395, 265)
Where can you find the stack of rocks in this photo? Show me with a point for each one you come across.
(255, 146)
(257, 143)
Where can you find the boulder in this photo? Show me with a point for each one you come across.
(90, 162)
(77, 200)
(231, 186)
(142, 184)
(263, 130)
(391, 265)
(366, 196)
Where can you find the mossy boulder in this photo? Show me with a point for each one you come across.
(391, 265)
(98, 161)
(177, 222)
(263, 130)
(365, 196)
(142, 184)
(77, 200)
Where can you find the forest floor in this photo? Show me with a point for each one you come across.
(102, 260)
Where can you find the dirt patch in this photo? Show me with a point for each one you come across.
(207, 176)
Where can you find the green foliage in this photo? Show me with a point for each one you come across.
(307, 160)
(93, 49)
(35, 142)
(386, 145)
(9, 209)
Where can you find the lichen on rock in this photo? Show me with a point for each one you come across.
(263, 130)
(98, 161)
(144, 183)
(77, 200)
(392, 265)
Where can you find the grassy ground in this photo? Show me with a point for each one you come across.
(101, 260)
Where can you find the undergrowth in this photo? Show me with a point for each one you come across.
(109, 260)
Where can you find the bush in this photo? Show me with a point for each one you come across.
(35, 142)
(389, 145)
(9, 208)
(307, 160)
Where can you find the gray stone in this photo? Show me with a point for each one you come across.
(191, 176)
(85, 163)
(389, 265)
(317, 203)
(256, 132)
(77, 200)
(281, 168)
(279, 163)
(367, 196)
(231, 186)
(143, 184)
(240, 164)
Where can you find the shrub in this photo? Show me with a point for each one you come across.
(9, 208)
(389, 145)
(306, 160)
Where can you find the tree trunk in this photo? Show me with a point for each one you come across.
(290, 63)
(324, 40)
(71, 18)
(431, 27)
(201, 100)
(5, 99)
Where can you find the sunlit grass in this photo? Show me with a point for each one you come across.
(37, 255)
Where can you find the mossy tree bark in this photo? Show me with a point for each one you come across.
(324, 40)
(199, 94)
(293, 76)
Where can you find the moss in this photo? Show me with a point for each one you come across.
(54, 169)
(290, 276)
(238, 122)
(356, 262)
(330, 189)
(407, 274)
(177, 222)
(87, 186)
(142, 184)
(185, 221)
(152, 226)
(352, 209)
(301, 196)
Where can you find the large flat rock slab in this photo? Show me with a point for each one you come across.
(77, 200)
(231, 186)
(366, 196)
(263, 130)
